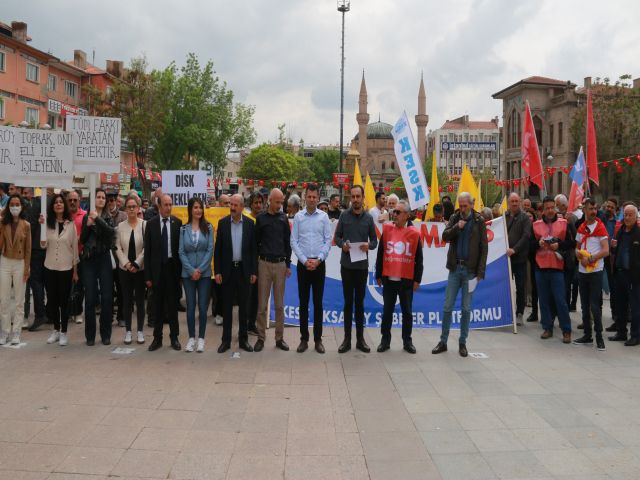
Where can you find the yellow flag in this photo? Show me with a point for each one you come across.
(467, 184)
(435, 194)
(357, 178)
(480, 203)
(369, 193)
(503, 206)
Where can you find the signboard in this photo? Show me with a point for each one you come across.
(43, 158)
(64, 109)
(96, 143)
(410, 163)
(341, 178)
(491, 305)
(469, 146)
(182, 185)
(7, 154)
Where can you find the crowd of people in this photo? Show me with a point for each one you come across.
(96, 264)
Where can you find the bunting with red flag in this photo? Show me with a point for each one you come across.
(592, 154)
(531, 162)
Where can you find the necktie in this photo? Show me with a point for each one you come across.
(165, 241)
(132, 247)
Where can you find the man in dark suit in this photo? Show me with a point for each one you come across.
(235, 263)
(162, 270)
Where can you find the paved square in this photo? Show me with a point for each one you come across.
(532, 409)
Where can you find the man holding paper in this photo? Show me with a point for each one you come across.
(355, 235)
(466, 262)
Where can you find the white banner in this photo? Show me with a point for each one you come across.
(7, 154)
(181, 185)
(43, 158)
(96, 143)
(410, 163)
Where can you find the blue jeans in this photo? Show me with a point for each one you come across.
(458, 280)
(202, 288)
(550, 285)
(97, 269)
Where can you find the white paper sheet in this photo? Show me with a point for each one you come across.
(355, 253)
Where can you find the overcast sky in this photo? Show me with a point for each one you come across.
(283, 56)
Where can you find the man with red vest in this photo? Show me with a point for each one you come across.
(554, 236)
(399, 271)
(592, 246)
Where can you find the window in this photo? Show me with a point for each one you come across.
(514, 130)
(393, 165)
(2, 57)
(384, 165)
(53, 83)
(70, 89)
(51, 120)
(551, 135)
(229, 174)
(33, 72)
(559, 133)
(1, 108)
(32, 116)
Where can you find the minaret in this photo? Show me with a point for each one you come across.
(363, 120)
(421, 121)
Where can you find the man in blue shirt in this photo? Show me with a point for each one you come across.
(311, 242)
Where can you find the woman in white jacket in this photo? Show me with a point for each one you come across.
(130, 253)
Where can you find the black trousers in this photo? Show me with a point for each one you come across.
(217, 302)
(132, 287)
(519, 272)
(391, 291)
(628, 295)
(35, 284)
(611, 279)
(571, 284)
(58, 286)
(354, 286)
(590, 296)
(118, 295)
(239, 286)
(253, 306)
(308, 280)
(165, 292)
(534, 288)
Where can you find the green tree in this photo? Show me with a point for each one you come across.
(268, 162)
(324, 164)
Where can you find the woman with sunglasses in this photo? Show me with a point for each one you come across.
(97, 238)
(60, 265)
(130, 253)
(196, 252)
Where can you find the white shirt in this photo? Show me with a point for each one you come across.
(375, 212)
(169, 255)
(592, 246)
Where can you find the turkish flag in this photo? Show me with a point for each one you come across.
(592, 154)
(530, 152)
(575, 197)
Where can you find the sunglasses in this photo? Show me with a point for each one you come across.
(398, 212)
(72, 200)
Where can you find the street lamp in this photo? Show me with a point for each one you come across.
(549, 160)
(343, 7)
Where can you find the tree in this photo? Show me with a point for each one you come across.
(323, 165)
(616, 111)
(268, 162)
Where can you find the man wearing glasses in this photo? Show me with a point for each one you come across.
(399, 272)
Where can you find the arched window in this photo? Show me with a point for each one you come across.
(393, 165)
(537, 126)
(384, 165)
(514, 130)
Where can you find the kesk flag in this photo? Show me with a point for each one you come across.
(435, 194)
(369, 193)
(578, 177)
(531, 162)
(357, 178)
(592, 147)
(410, 163)
(467, 184)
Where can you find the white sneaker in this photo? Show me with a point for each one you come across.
(3, 338)
(200, 348)
(140, 337)
(54, 337)
(63, 339)
(127, 338)
(218, 320)
(79, 319)
(190, 345)
(16, 338)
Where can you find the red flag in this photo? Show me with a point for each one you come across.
(592, 155)
(575, 197)
(530, 153)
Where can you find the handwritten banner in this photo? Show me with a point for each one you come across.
(7, 154)
(96, 143)
(43, 158)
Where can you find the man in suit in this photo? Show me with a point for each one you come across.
(162, 270)
(235, 263)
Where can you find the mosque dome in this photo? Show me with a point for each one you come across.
(378, 130)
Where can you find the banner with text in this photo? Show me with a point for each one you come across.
(181, 185)
(491, 306)
(43, 158)
(410, 163)
(96, 143)
(7, 154)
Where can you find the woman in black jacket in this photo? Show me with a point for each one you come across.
(97, 238)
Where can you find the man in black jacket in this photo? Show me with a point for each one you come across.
(518, 231)
(162, 270)
(35, 283)
(399, 271)
(235, 263)
(466, 260)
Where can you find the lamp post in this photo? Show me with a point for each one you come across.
(549, 161)
(343, 7)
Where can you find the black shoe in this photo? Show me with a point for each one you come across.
(345, 346)
(532, 318)
(408, 347)
(252, 331)
(91, 343)
(106, 341)
(224, 346)
(304, 345)
(600, 343)
(319, 347)
(121, 323)
(584, 340)
(580, 326)
(175, 344)
(37, 323)
(181, 308)
(362, 345)
(632, 342)
(282, 345)
(246, 346)
(462, 349)
(258, 346)
(150, 324)
(441, 347)
(611, 328)
(618, 338)
(383, 347)
(156, 344)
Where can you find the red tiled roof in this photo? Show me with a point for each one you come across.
(473, 125)
(91, 69)
(546, 80)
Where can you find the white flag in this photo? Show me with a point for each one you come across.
(410, 163)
